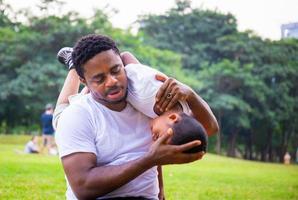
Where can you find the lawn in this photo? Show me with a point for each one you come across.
(215, 177)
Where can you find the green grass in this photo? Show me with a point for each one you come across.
(215, 177)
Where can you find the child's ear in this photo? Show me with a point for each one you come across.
(174, 117)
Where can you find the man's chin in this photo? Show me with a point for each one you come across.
(118, 100)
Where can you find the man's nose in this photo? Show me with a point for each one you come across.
(111, 81)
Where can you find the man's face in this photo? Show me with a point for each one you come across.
(106, 78)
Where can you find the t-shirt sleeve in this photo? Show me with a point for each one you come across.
(142, 88)
(75, 132)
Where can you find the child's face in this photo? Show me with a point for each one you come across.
(161, 124)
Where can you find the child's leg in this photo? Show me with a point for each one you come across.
(70, 87)
(71, 84)
(128, 58)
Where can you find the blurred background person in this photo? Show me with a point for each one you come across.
(47, 127)
(32, 145)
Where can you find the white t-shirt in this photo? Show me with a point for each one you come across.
(114, 137)
(30, 147)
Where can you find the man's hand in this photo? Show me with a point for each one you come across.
(178, 91)
(161, 153)
(170, 93)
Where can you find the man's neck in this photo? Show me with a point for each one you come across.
(117, 107)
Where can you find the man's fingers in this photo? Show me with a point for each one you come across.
(187, 146)
(160, 77)
(173, 101)
(161, 91)
(167, 95)
(165, 136)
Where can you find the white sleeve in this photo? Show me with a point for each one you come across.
(142, 88)
(75, 132)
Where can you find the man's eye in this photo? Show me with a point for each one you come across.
(116, 70)
(99, 80)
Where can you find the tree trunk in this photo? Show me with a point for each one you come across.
(269, 145)
(232, 143)
(218, 136)
(266, 154)
(285, 143)
(248, 147)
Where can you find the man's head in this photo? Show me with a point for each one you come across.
(98, 63)
(185, 129)
(49, 108)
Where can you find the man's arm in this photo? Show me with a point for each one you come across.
(90, 181)
(202, 112)
(180, 91)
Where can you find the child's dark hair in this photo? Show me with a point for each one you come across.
(188, 129)
(89, 46)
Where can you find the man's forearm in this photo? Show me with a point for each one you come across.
(203, 113)
(99, 181)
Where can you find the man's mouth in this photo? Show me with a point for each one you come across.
(115, 94)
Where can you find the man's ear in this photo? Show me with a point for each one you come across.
(83, 81)
(174, 117)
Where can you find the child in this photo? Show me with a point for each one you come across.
(32, 145)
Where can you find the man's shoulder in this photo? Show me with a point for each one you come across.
(80, 108)
(77, 116)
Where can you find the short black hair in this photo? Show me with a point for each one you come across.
(89, 46)
(188, 129)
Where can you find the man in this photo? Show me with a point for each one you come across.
(102, 140)
(47, 127)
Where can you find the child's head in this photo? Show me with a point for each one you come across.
(185, 129)
(34, 139)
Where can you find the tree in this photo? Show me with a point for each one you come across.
(190, 32)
